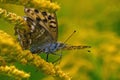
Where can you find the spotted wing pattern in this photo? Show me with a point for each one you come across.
(46, 19)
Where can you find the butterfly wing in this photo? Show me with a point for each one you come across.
(45, 18)
(51, 22)
(43, 28)
(53, 25)
(39, 36)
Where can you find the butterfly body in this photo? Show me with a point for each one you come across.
(47, 48)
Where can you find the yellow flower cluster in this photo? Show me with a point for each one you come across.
(45, 4)
(41, 4)
(9, 48)
(14, 72)
(61, 74)
(12, 17)
(11, 51)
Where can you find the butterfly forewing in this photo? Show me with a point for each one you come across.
(48, 20)
(39, 36)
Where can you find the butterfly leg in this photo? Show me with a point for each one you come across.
(47, 57)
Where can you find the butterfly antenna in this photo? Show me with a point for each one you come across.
(69, 36)
(75, 47)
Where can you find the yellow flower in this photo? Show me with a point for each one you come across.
(12, 17)
(14, 72)
(10, 50)
(41, 4)
(45, 4)
(61, 74)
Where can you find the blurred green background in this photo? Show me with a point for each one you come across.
(97, 23)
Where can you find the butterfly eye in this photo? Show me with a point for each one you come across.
(36, 11)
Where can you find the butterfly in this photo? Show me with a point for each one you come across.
(41, 33)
